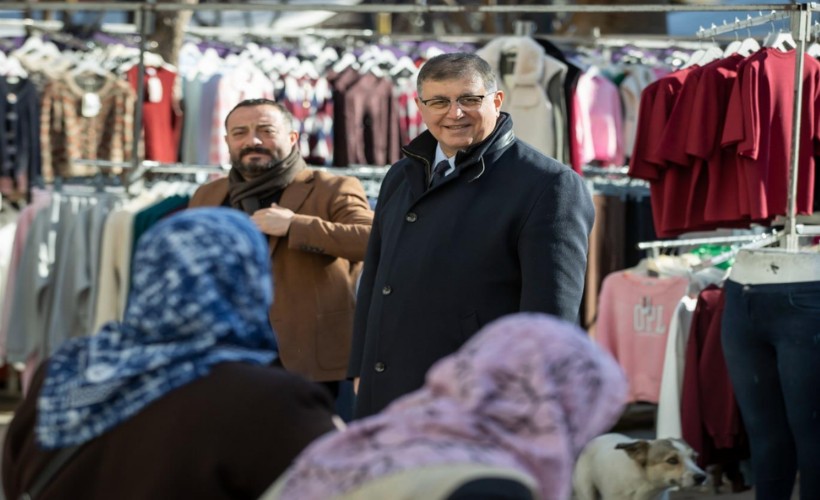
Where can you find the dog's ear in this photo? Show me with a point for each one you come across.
(637, 451)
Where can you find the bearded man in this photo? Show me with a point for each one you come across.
(317, 225)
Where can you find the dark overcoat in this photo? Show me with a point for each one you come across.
(507, 231)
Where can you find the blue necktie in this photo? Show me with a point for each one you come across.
(438, 172)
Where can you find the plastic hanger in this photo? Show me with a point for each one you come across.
(814, 48)
(326, 56)
(13, 69)
(712, 53)
(748, 47)
(89, 64)
(734, 45)
(693, 58)
(404, 66)
(346, 61)
(372, 66)
(210, 62)
(780, 40)
(745, 47)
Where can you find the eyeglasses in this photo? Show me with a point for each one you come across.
(465, 102)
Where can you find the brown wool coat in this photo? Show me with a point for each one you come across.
(315, 268)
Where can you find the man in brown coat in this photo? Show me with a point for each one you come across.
(317, 224)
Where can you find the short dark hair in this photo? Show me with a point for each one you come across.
(454, 66)
(261, 101)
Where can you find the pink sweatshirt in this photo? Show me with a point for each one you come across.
(634, 313)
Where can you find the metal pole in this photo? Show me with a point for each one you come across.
(802, 19)
(145, 24)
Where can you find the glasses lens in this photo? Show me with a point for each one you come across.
(469, 102)
(438, 104)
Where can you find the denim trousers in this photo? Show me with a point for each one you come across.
(771, 340)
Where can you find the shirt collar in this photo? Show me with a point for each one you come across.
(441, 156)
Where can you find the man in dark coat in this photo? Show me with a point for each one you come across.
(471, 225)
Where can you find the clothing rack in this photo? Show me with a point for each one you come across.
(799, 14)
(800, 23)
(738, 25)
(151, 166)
(589, 169)
(804, 230)
(711, 240)
(723, 257)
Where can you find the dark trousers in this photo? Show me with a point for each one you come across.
(771, 341)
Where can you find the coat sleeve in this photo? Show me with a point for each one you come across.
(345, 232)
(552, 247)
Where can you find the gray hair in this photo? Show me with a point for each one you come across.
(454, 66)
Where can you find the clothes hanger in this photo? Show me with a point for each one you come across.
(814, 48)
(749, 46)
(372, 66)
(695, 56)
(734, 45)
(13, 70)
(88, 64)
(712, 53)
(325, 58)
(346, 61)
(780, 40)
(405, 66)
(745, 47)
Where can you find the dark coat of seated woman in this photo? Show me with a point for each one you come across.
(180, 399)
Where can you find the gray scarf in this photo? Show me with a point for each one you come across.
(245, 194)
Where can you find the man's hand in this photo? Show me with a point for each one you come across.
(356, 385)
(273, 221)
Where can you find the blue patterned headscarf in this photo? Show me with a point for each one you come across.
(200, 295)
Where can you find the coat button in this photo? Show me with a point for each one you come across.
(411, 217)
(379, 367)
(387, 290)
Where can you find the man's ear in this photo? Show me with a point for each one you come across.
(637, 451)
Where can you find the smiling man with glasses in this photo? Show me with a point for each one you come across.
(471, 225)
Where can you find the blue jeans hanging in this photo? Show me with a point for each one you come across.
(771, 341)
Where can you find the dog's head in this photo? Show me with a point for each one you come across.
(667, 462)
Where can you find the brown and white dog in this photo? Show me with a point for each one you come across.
(617, 467)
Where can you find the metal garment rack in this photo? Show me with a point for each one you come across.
(799, 14)
(740, 24)
(800, 25)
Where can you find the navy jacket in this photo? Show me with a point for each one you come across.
(506, 232)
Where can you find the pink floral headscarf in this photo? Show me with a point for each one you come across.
(527, 392)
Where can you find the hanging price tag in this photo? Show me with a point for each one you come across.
(91, 105)
(154, 86)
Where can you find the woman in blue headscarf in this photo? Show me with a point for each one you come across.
(180, 398)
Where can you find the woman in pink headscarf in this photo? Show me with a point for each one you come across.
(504, 417)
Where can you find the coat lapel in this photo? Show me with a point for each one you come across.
(293, 197)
